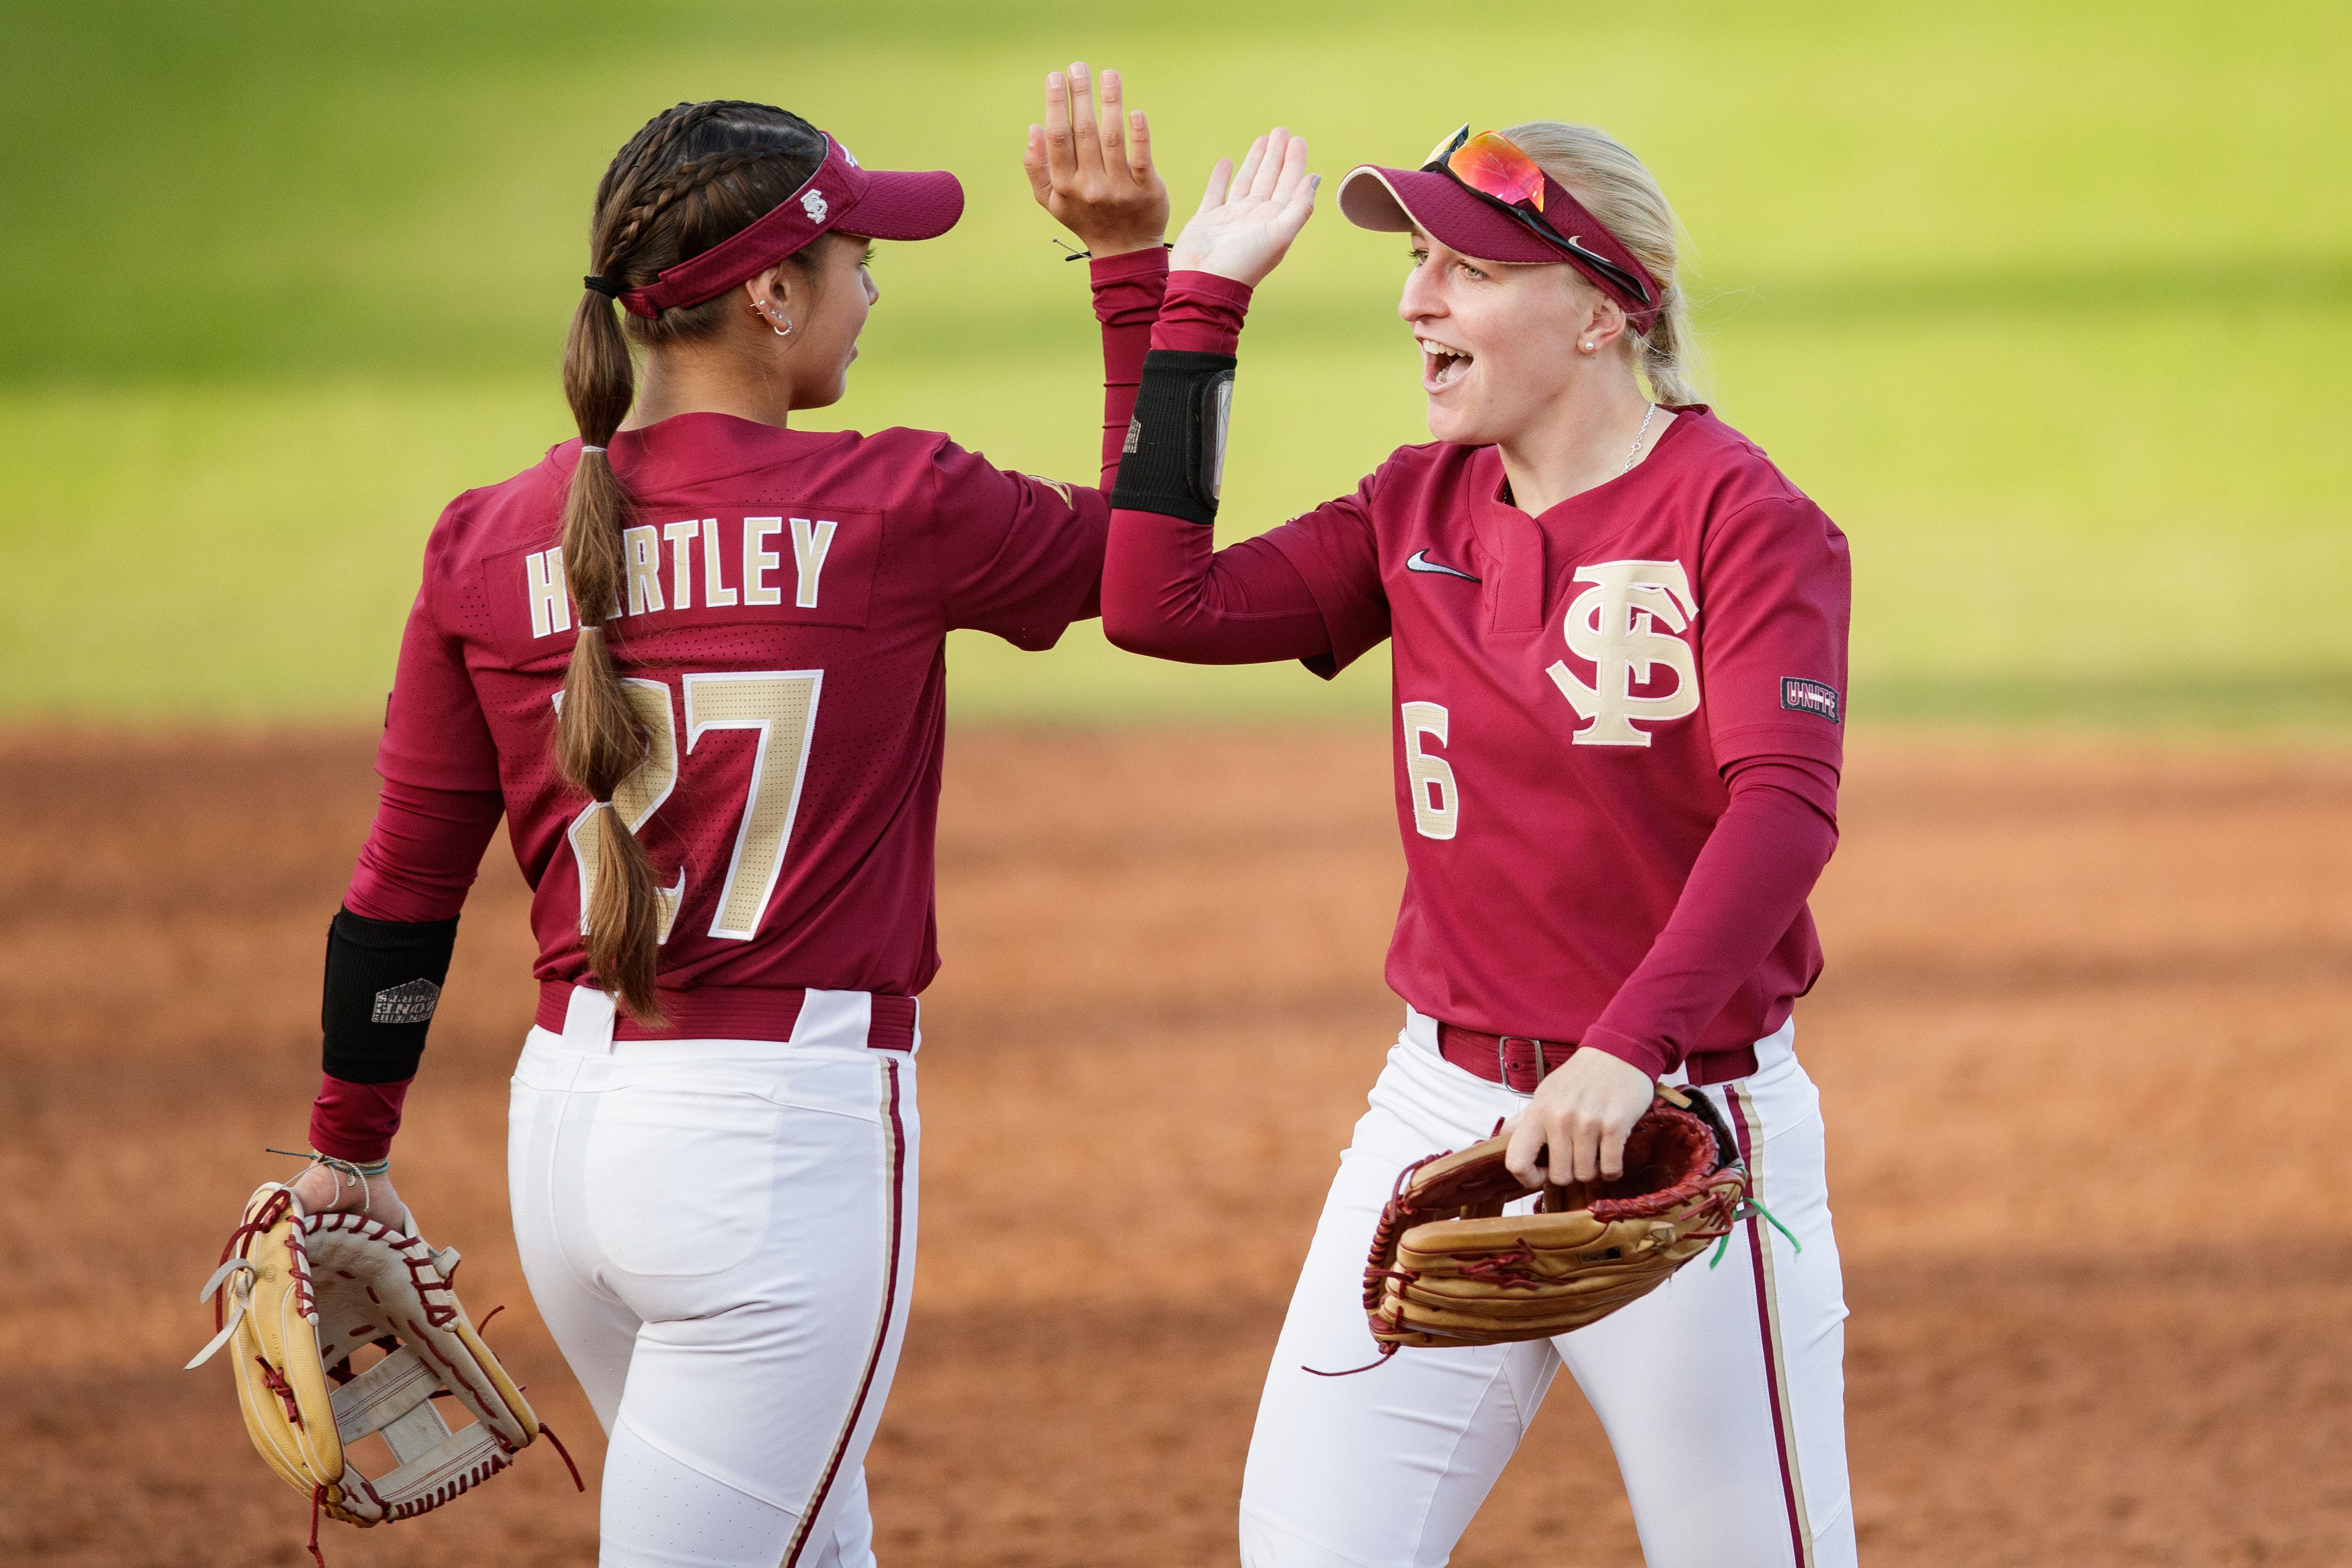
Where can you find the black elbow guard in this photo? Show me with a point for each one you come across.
(1174, 459)
(383, 981)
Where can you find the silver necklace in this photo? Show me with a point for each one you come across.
(1635, 450)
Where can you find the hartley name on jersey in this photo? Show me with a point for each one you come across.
(758, 560)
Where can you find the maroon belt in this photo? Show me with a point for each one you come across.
(1520, 1064)
(734, 1012)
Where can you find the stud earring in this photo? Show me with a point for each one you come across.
(762, 312)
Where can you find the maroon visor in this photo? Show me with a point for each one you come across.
(875, 204)
(1443, 205)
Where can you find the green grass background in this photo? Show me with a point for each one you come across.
(2050, 305)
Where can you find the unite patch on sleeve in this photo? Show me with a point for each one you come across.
(1816, 697)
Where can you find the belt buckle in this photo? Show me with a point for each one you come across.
(1503, 1062)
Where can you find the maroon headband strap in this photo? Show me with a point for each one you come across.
(822, 202)
(1575, 221)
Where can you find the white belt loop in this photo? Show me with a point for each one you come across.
(835, 1017)
(588, 1020)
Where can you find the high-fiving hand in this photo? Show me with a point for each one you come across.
(1249, 216)
(1093, 171)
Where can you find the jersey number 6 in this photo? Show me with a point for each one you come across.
(779, 708)
(1437, 804)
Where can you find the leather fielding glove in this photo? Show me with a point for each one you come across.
(294, 1297)
(1449, 1267)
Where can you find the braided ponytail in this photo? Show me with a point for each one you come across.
(690, 178)
(599, 739)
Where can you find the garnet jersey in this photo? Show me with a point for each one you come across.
(782, 629)
(1570, 690)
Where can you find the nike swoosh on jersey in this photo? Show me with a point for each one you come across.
(1418, 561)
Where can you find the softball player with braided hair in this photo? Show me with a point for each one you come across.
(694, 659)
(1619, 640)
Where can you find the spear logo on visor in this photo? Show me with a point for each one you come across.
(1491, 167)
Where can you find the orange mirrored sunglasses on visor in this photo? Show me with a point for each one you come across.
(1490, 165)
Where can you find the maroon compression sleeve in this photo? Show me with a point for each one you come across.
(1128, 290)
(1169, 593)
(356, 1121)
(1203, 314)
(1168, 590)
(1747, 886)
(423, 852)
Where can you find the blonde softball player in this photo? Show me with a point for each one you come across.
(694, 658)
(1619, 639)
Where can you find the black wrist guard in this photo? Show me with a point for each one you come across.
(1174, 460)
(383, 981)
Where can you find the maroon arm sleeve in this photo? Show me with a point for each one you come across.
(423, 852)
(420, 858)
(1747, 886)
(1167, 591)
(1128, 291)
(356, 1122)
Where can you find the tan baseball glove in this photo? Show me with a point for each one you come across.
(295, 1296)
(1448, 1267)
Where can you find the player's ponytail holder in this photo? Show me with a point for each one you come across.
(585, 449)
(609, 287)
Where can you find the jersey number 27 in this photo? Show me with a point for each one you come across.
(779, 706)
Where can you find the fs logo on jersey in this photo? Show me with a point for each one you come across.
(1613, 625)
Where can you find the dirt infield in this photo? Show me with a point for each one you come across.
(2082, 1044)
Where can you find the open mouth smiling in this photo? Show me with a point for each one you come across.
(1441, 364)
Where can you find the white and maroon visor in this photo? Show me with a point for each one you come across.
(874, 204)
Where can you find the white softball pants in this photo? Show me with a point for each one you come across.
(1723, 1392)
(720, 1235)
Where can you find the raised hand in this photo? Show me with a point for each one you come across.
(1093, 171)
(1249, 216)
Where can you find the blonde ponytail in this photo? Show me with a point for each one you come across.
(1619, 190)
